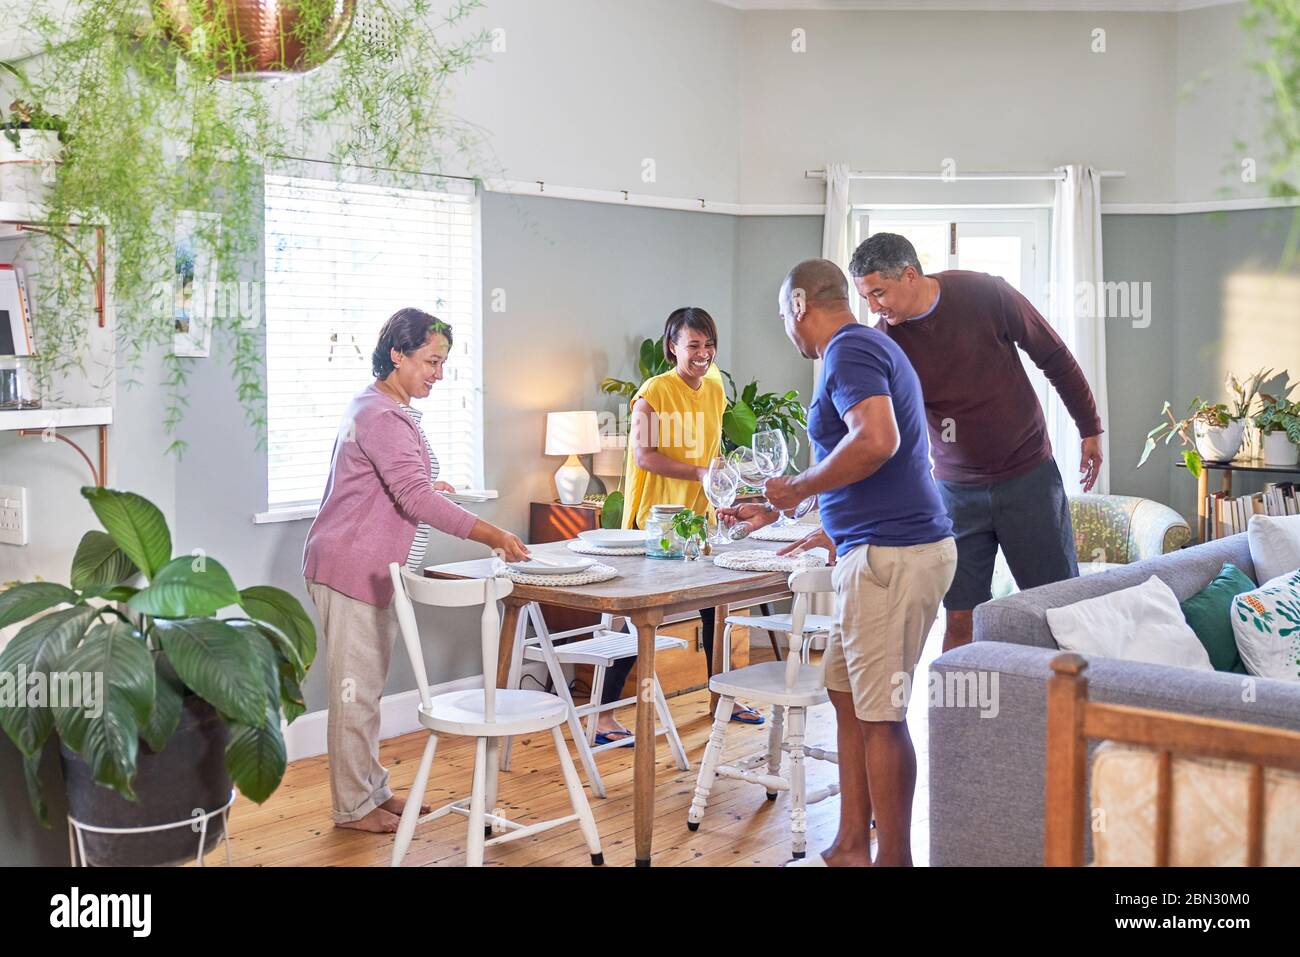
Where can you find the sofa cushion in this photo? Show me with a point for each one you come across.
(1274, 544)
(1266, 624)
(1021, 618)
(1142, 623)
(1209, 613)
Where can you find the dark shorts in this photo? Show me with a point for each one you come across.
(1027, 516)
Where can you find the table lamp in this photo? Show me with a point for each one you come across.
(572, 434)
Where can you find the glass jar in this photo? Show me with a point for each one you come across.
(16, 385)
(661, 539)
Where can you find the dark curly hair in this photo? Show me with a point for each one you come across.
(688, 317)
(406, 331)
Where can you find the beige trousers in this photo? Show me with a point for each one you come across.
(358, 648)
(887, 597)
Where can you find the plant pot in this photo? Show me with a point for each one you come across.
(1219, 443)
(1280, 450)
(188, 775)
(27, 171)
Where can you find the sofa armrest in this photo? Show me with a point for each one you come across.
(988, 761)
(1157, 530)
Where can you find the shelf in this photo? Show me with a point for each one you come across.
(22, 213)
(58, 417)
(1245, 465)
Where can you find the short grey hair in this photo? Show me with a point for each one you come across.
(886, 253)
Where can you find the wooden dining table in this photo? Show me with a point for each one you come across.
(645, 591)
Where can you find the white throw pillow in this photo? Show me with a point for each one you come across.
(1274, 545)
(1266, 625)
(1142, 623)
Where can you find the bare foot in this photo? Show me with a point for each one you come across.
(396, 805)
(835, 856)
(378, 821)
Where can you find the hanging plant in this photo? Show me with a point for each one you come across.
(168, 121)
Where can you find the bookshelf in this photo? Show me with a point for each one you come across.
(1204, 530)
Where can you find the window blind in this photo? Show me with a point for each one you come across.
(340, 259)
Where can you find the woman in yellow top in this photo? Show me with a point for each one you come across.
(676, 432)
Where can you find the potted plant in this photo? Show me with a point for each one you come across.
(186, 702)
(30, 146)
(1207, 429)
(1241, 396)
(1279, 423)
(694, 532)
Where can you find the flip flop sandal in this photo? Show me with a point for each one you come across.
(606, 737)
(747, 715)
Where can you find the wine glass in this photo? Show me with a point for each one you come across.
(721, 482)
(747, 465)
(772, 452)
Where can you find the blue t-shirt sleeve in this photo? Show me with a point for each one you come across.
(858, 369)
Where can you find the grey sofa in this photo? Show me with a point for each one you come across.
(987, 773)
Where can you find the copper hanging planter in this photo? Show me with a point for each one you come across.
(260, 39)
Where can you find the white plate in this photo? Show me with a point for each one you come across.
(558, 568)
(613, 537)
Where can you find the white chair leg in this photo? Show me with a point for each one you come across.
(586, 820)
(515, 680)
(562, 689)
(492, 771)
(775, 735)
(597, 693)
(709, 764)
(725, 664)
(798, 786)
(666, 719)
(411, 813)
(477, 806)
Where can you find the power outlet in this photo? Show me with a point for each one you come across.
(13, 515)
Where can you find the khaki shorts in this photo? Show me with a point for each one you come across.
(886, 599)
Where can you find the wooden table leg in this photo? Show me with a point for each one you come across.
(1203, 530)
(720, 614)
(506, 649)
(643, 779)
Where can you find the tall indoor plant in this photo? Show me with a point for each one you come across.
(147, 623)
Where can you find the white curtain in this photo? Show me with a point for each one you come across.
(1077, 312)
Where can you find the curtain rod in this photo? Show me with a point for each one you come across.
(864, 174)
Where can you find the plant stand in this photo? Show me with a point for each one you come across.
(78, 851)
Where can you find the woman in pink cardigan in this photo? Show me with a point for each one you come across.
(382, 497)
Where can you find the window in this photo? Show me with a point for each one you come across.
(1004, 241)
(340, 259)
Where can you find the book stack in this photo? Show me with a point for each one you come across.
(1226, 514)
(15, 312)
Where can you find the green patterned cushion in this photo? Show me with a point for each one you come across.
(1209, 612)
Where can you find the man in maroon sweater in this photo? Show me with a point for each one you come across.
(992, 457)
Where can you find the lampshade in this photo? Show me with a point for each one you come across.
(572, 433)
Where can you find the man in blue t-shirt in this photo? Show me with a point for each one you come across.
(885, 519)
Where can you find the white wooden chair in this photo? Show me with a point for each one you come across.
(486, 714)
(601, 650)
(779, 623)
(791, 687)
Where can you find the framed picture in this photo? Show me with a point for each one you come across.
(194, 285)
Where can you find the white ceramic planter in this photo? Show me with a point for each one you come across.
(1280, 450)
(1219, 443)
(27, 171)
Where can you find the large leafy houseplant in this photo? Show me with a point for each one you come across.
(1279, 414)
(146, 621)
(1198, 410)
(170, 118)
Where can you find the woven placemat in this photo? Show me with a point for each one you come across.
(754, 560)
(596, 573)
(782, 533)
(583, 548)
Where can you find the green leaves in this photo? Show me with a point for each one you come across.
(31, 598)
(278, 608)
(136, 525)
(255, 754)
(106, 732)
(38, 650)
(169, 694)
(738, 424)
(186, 588)
(611, 512)
(218, 663)
(1192, 459)
(99, 563)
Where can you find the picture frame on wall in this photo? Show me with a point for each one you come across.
(194, 284)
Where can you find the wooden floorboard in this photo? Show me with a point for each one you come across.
(740, 828)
